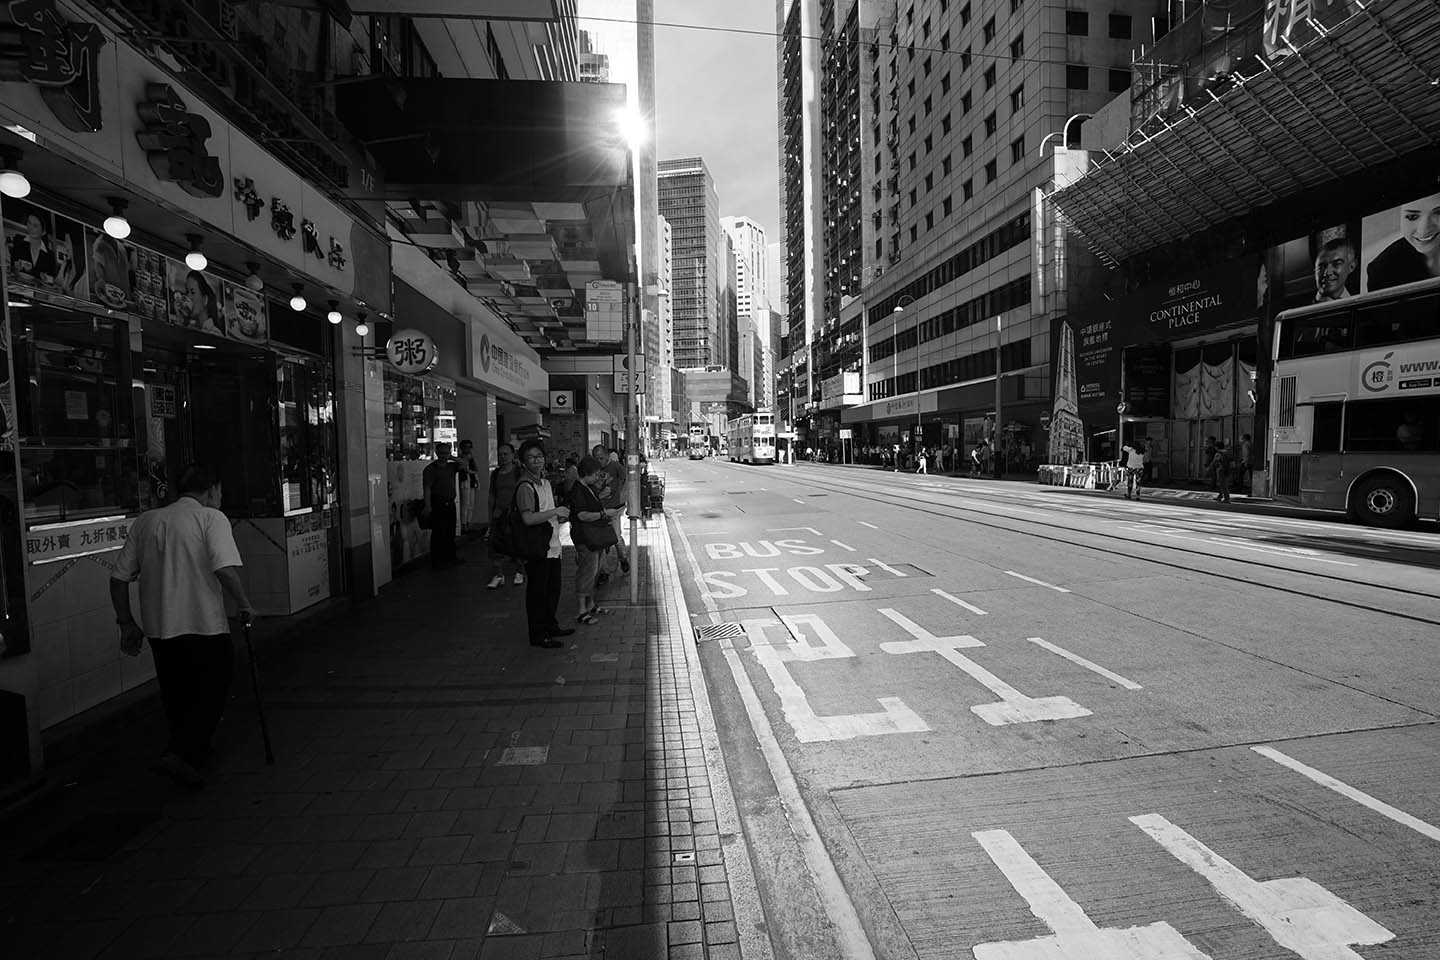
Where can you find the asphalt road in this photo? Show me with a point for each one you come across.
(994, 720)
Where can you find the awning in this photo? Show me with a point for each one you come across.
(1365, 94)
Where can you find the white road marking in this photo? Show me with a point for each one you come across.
(864, 524)
(811, 530)
(1345, 790)
(1014, 706)
(960, 603)
(1038, 583)
(810, 727)
(1298, 913)
(1074, 935)
(844, 546)
(798, 500)
(1087, 664)
(1216, 541)
(887, 568)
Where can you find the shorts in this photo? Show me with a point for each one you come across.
(587, 565)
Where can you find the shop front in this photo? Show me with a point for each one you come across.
(188, 325)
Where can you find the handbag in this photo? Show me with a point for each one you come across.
(593, 534)
(513, 537)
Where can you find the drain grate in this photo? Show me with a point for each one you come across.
(720, 631)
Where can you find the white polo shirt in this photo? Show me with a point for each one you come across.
(174, 552)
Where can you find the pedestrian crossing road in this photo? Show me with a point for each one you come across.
(970, 719)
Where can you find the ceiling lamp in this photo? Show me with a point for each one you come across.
(195, 260)
(116, 225)
(297, 302)
(253, 281)
(334, 315)
(362, 329)
(13, 183)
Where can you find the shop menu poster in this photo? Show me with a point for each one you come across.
(194, 298)
(244, 314)
(45, 250)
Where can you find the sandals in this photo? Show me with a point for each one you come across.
(586, 618)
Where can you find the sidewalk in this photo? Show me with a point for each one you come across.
(441, 789)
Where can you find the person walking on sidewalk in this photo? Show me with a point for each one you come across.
(440, 484)
(1244, 466)
(1133, 454)
(184, 556)
(924, 463)
(587, 508)
(1220, 468)
(614, 498)
(502, 494)
(535, 499)
(469, 483)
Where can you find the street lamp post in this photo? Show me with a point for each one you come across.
(900, 306)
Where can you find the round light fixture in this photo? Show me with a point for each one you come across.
(195, 260)
(334, 315)
(297, 302)
(253, 281)
(116, 225)
(204, 346)
(13, 183)
(362, 329)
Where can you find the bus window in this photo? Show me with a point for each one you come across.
(1326, 435)
(1411, 424)
(1313, 335)
(1398, 321)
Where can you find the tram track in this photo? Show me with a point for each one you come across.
(1130, 547)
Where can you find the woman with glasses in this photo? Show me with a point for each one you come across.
(536, 500)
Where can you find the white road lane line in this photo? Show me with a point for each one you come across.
(1298, 913)
(845, 546)
(1087, 664)
(811, 530)
(1073, 934)
(1345, 790)
(960, 603)
(1038, 583)
(798, 500)
(864, 524)
(887, 568)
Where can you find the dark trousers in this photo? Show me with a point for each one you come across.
(542, 596)
(442, 533)
(194, 673)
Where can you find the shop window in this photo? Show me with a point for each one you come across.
(74, 419)
(309, 460)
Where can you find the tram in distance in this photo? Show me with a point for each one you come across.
(751, 438)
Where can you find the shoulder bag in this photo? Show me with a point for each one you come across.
(591, 534)
(513, 537)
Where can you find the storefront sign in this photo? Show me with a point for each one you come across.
(411, 351)
(562, 401)
(175, 142)
(162, 401)
(61, 59)
(61, 541)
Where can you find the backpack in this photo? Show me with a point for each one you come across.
(512, 537)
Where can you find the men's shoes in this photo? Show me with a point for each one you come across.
(548, 643)
(624, 565)
(495, 583)
(178, 770)
(519, 579)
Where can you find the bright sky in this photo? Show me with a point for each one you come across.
(715, 93)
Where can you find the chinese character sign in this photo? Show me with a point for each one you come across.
(411, 351)
(59, 57)
(51, 543)
(174, 141)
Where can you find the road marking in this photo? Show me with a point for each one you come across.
(1074, 935)
(864, 524)
(1087, 664)
(811, 530)
(844, 546)
(1014, 706)
(1298, 913)
(1038, 583)
(798, 500)
(887, 568)
(1345, 790)
(960, 603)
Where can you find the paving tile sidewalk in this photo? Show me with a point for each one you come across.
(442, 789)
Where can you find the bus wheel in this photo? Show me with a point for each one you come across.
(1383, 500)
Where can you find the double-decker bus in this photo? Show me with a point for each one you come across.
(1355, 405)
(751, 438)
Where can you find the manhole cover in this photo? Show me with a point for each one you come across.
(720, 631)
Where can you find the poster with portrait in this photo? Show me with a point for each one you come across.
(109, 263)
(1402, 244)
(29, 242)
(244, 314)
(1321, 267)
(194, 298)
(71, 274)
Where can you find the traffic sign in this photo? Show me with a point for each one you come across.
(620, 366)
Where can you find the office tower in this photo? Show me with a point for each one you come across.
(689, 203)
(594, 65)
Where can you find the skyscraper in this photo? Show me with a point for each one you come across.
(594, 65)
(689, 203)
(752, 304)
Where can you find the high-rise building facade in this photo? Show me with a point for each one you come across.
(752, 282)
(594, 66)
(665, 400)
(688, 202)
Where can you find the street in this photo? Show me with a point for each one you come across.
(972, 718)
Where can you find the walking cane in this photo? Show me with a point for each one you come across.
(255, 682)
